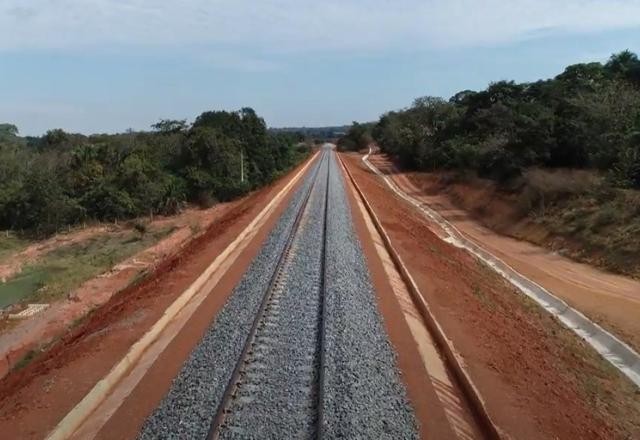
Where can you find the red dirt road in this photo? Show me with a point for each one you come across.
(37, 397)
(538, 379)
(611, 300)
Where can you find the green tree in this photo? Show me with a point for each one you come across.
(8, 133)
(358, 137)
(62, 178)
(170, 126)
(55, 137)
(584, 117)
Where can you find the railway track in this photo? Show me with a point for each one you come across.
(299, 349)
(276, 386)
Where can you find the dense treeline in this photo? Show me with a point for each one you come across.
(61, 179)
(586, 117)
(357, 137)
(316, 134)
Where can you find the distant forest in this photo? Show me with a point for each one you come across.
(586, 117)
(318, 134)
(61, 179)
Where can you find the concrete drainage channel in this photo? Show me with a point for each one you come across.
(295, 353)
(619, 354)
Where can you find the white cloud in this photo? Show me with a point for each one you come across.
(297, 25)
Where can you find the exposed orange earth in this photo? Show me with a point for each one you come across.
(538, 379)
(611, 300)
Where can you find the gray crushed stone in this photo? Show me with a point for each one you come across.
(362, 392)
(279, 392)
(364, 396)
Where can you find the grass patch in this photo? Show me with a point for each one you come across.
(607, 230)
(65, 268)
(195, 228)
(22, 285)
(601, 222)
(482, 296)
(82, 319)
(10, 244)
(601, 385)
(140, 276)
(26, 360)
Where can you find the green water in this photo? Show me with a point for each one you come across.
(66, 267)
(22, 286)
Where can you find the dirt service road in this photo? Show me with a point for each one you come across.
(610, 300)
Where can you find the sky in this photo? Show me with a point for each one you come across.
(101, 66)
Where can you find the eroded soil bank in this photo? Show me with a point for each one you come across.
(571, 212)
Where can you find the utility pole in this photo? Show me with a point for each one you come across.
(241, 166)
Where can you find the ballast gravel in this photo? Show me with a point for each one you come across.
(188, 409)
(364, 396)
(362, 392)
(278, 395)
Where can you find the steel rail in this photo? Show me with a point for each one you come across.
(235, 379)
(321, 314)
